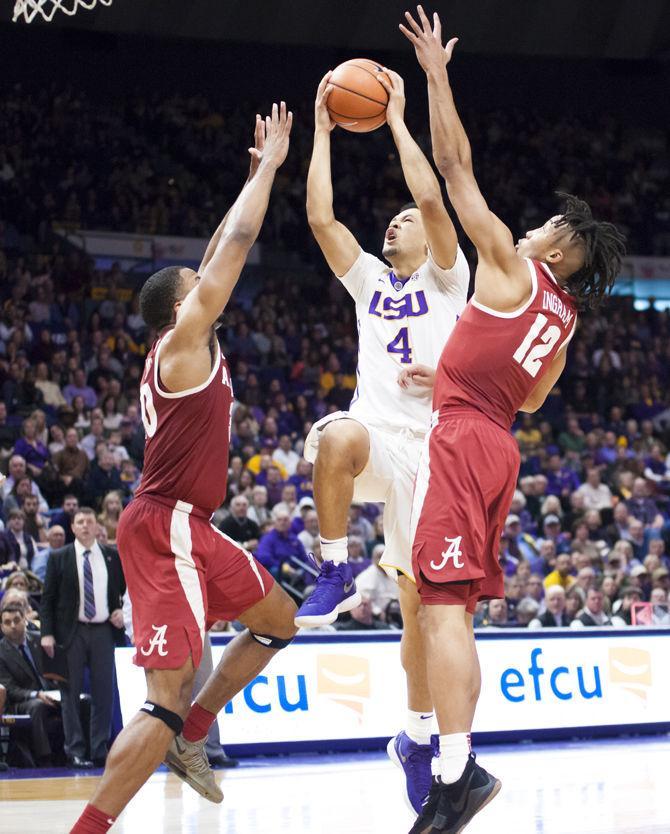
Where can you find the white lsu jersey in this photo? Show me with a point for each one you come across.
(401, 323)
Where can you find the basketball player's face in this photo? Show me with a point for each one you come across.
(405, 236)
(543, 243)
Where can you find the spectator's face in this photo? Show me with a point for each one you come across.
(514, 589)
(636, 529)
(556, 600)
(72, 439)
(239, 506)
(85, 527)
(285, 443)
(14, 626)
(498, 611)
(658, 597)
(563, 564)
(548, 551)
(97, 426)
(70, 506)
(56, 537)
(534, 587)
(586, 577)
(17, 467)
(106, 460)
(16, 524)
(580, 560)
(406, 237)
(288, 494)
(3, 411)
(113, 504)
(282, 522)
(640, 488)
(260, 496)
(609, 586)
(312, 523)
(274, 475)
(30, 505)
(593, 478)
(79, 378)
(621, 513)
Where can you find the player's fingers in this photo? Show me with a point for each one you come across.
(387, 83)
(437, 27)
(289, 122)
(275, 113)
(423, 19)
(414, 26)
(282, 112)
(449, 48)
(324, 81)
(409, 35)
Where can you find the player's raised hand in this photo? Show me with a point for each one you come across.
(259, 143)
(427, 41)
(417, 376)
(395, 109)
(277, 133)
(322, 120)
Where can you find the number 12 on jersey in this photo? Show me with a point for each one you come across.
(530, 356)
(401, 345)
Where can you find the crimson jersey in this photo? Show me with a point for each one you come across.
(188, 434)
(493, 360)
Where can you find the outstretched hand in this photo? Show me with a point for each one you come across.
(256, 152)
(277, 133)
(427, 41)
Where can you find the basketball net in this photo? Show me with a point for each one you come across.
(29, 9)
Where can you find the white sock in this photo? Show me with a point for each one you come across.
(335, 550)
(419, 725)
(454, 751)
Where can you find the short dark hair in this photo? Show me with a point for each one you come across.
(604, 248)
(86, 511)
(12, 608)
(407, 207)
(159, 295)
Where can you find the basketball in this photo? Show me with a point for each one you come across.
(358, 100)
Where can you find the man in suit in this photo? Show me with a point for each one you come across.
(16, 546)
(81, 611)
(555, 616)
(20, 675)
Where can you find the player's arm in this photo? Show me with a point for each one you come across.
(543, 388)
(421, 376)
(204, 304)
(256, 153)
(508, 280)
(340, 248)
(420, 178)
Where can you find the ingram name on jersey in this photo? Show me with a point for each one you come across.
(401, 323)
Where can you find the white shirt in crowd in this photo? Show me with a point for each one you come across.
(289, 460)
(375, 583)
(596, 498)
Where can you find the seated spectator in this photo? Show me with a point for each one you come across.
(358, 558)
(555, 614)
(103, 477)
(112, 506)
(526, 611)
(640, 537)
(50, 390)
(18, 593)
(272, 479)
(278, 548)
(23, 487)
(89, 442)
(561, 480)
(290, 500)
(535, 588)
(17, 469)
(285, 456)
(79, 388)
(302, 479)
(596, 495)
(618, 529)
(8, 433)
(514, 591)
(71, 463)
(622, 610)
(358, 523)
(574, 602)
(17, 548)
(31, 449)
(56, 440)
(309, 536)
(561, 574)
(551, 527)
(496, 614)
(239, 527)
(112, 416)
(376, 584)
(55, 540)
(642, 506)
(305, 506)
(35, 524)
(65, 516)
(27, 691)
(545, 562)
(259, 511)
(520, 545)
(361, 618)
(593, 613)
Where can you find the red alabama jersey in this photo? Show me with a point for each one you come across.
(493, 360)
(187, 435)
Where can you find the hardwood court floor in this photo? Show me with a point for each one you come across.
(604, 787)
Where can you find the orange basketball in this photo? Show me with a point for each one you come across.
(357, 101)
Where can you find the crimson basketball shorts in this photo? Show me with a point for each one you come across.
(464, 488)
(182, 575)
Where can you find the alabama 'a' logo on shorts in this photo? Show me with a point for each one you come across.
(158, 642)
(452, 552)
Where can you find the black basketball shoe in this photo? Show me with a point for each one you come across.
(457, 804)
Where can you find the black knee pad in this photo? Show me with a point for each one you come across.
(173, 721)
(271, 642)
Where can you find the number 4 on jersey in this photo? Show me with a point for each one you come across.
(401, 345)
(530, 356)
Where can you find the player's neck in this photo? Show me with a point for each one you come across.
(403, 267)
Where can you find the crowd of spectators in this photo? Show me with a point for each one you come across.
(173, 164)
(588, 534)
